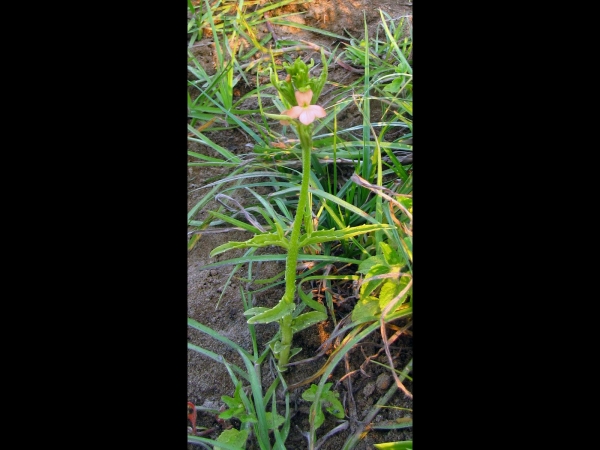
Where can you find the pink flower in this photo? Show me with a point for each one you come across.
(304, 112)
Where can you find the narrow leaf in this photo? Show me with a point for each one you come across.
(281, 310)
(307, 319)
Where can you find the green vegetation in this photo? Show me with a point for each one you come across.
(362, 222)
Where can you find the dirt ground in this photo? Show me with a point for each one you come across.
(209, 380)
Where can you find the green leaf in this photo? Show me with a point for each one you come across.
(391, 255)
(394, 86)
(366, 265)
(274, 420)
(256, 310)
(366, 307)
(336, 407)
(318, 237)
(307, 319)
(233, 437)
(399, 445)
(247, 418)
(319, 415)
(235, 403)
(390, 289)
(328, 399)
(279, 311)
(308, 301)
(261, 240)
(309, 394)
(371, 285)
(230, 401)
(228, 414)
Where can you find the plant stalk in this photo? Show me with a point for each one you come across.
(285, 324)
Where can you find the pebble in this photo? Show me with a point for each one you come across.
(369, 389)
(383, 382)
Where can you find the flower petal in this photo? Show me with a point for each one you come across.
(318, 110)
(310, 113)
(307, 117)
(293, 112)
(304, 98)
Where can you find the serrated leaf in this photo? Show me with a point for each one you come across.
(260, 240)
(366, 307)
(318, 237)
(307, 319)
(279, 311)
(390, 289)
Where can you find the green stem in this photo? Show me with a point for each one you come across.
(285, 324)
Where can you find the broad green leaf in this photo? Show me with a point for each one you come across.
(233, 437)
(371, 285)
(307, 319)
(279, 311)
(366, 307)
(395, 85)
(309, 394)
(335, 408)
(391, 255)
(366, 265)
(390, 289)
(407, 202)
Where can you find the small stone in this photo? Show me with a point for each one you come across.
(383, 382)
(369, 389)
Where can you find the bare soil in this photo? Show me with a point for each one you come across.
(208, 380)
